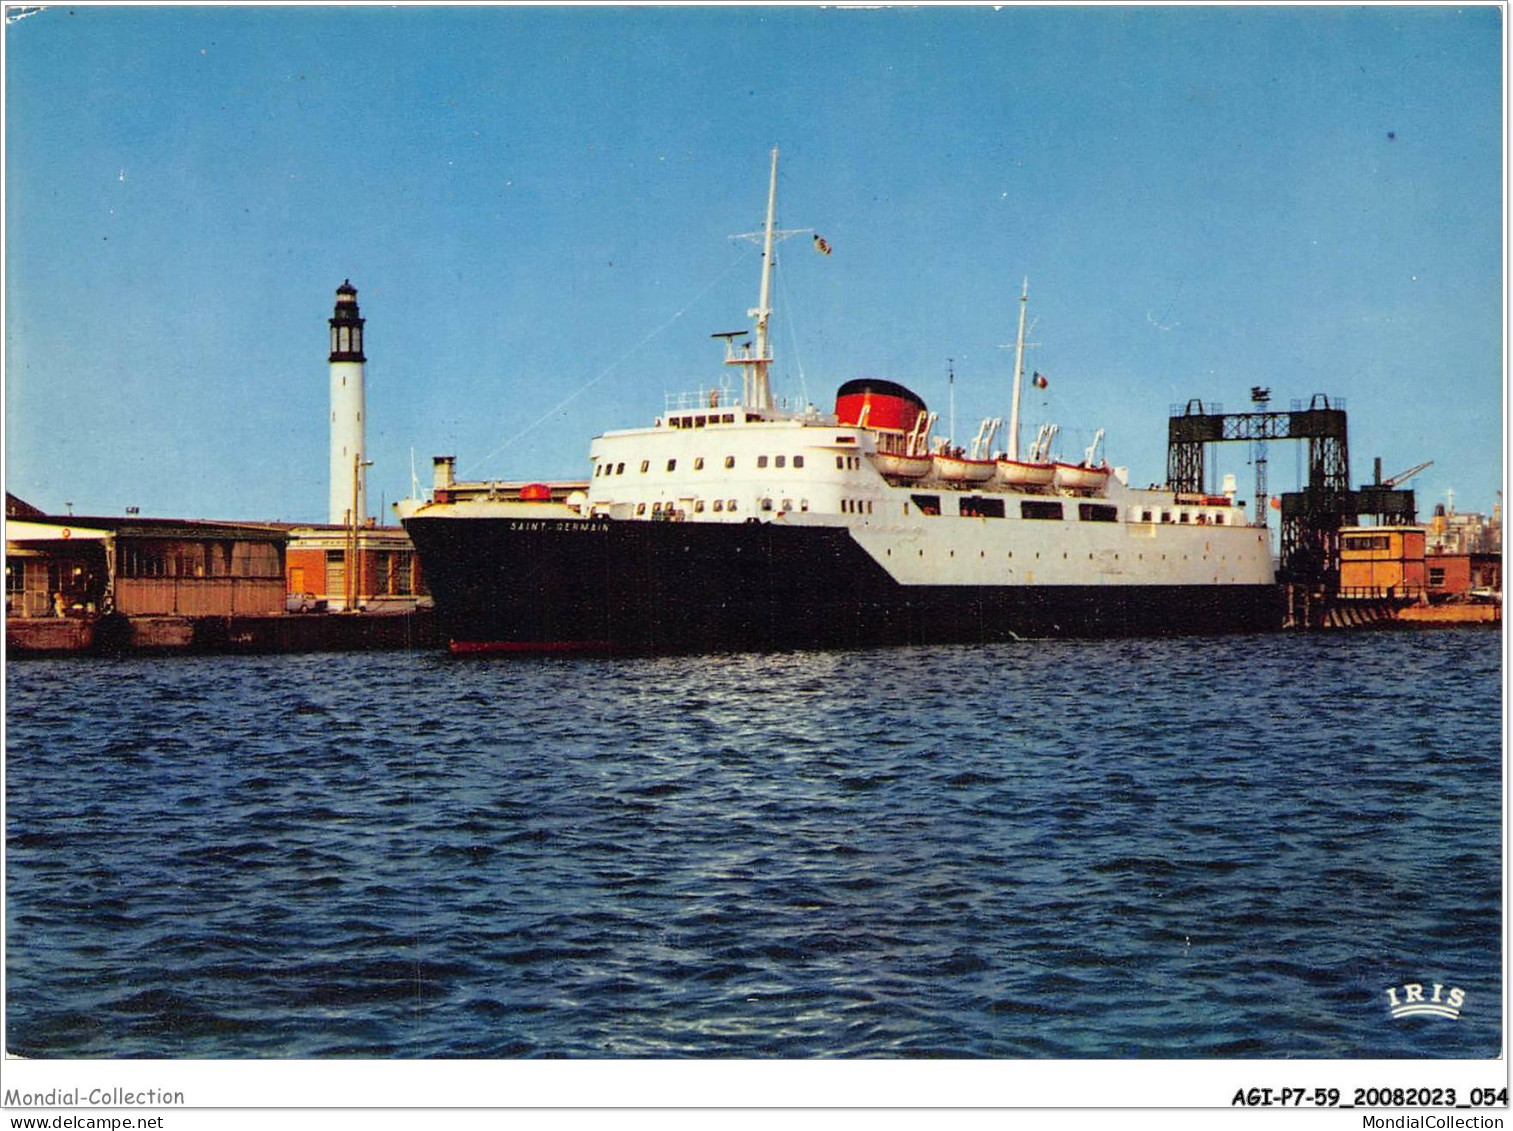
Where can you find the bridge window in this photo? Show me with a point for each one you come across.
(974, 506)
(927, 504)
(1030, 508)
(1097, 512)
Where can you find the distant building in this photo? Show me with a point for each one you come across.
(20, 508)
(1467, 533)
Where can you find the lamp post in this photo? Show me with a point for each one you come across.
(353, 563)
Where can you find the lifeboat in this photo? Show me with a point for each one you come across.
(952, 467)
(1085, 476)
(1081, 477)
(900, 466)
(1013, 473)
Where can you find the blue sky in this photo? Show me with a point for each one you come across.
(534, 205)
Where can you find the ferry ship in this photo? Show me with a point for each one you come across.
(735, 523)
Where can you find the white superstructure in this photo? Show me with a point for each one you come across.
(732, 465)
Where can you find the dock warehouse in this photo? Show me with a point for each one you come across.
(79, 566)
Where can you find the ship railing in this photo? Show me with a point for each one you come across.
(702, 399)
(1404, 594)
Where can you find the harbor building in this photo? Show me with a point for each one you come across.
(384, 572)
(68, 566)
(1383, 562)
(150, 580)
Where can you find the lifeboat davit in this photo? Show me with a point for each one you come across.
(1013, 473)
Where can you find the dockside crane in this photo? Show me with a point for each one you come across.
(1401, 476)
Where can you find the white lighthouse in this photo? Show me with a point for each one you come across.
(349, 476)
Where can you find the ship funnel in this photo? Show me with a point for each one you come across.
(444, 469)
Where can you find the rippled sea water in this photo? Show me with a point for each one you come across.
(1189, 848)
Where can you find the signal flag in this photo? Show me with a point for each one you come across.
(1038, 381)
(821, 245)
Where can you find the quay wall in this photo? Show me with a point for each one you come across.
(167, 635)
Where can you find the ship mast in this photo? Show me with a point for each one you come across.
(756, 385)
(1024, 299)
(762, 391)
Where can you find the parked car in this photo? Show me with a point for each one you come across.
(304, 603)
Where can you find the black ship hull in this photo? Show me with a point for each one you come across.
(527, 585)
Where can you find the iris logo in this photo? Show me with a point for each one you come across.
(1412, 1002)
